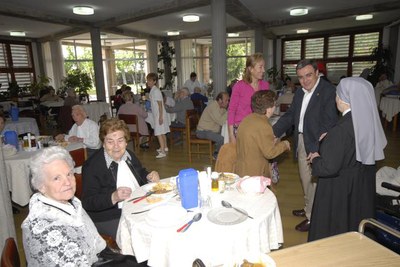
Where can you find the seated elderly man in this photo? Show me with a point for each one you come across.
(84, 130)
(212, 119)
(182, 104)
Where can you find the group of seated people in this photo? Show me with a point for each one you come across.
(62, 230)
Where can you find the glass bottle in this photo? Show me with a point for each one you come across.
(26, 142)
(214, 181)
(33, 141)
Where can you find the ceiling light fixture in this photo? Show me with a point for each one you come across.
(301, 11)
(302, 31)
(364, 17)
(191, 18)
(103, 35)
(83, 10)
(173, 33)
(17, 33)
(233, 34)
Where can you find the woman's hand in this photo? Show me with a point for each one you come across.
(153, 177)
(312, 156)
(121, 194)
(287, 145)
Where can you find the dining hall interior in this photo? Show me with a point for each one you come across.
(120, 42)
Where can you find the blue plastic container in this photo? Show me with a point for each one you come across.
(187, 183)
(11, 138)
(14, 113)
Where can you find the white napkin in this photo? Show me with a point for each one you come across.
(205, 184)
(125, 178)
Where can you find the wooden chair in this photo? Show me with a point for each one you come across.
(133, 120)
(10, 255)
(79, 156)
(182, 131)
(199, 105)
(191, 125)
(226, 161)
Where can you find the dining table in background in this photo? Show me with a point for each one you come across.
(349, 249)
(53, 104)
(22, 125)
(390, 107)
(214, 244)
(95, 110)
(17, 173)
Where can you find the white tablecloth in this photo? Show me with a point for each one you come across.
(214, 244)
(53, 104)
(390, 106)
(17, 172)
(23, 125)
(95, 109)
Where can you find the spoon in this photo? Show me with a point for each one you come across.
(196, 218)
(226, 204)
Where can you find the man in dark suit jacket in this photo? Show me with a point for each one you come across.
(312, 113)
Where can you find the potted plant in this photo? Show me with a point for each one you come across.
(41, 83)
(13, 90)
(273, 74)
(78, 80)
(166, 54)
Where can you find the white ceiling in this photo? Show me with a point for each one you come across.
(53, 19)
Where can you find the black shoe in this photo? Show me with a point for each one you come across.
(299, 213)
(304, 226)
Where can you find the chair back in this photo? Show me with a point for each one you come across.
(78, 182)
(226, 161)
(10, 255)
(79, 156)
(132, 119)
(192, 119)
(199, 105)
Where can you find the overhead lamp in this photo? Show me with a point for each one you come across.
(103, 35)
(298, 11)
(173, 33)
(83, 10)
(191, 18)
(233, 34)
(364, 17)
(302, 31)
(17, 33)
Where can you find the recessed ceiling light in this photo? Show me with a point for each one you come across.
(364, 17)
(233, 34)
(17, 33)
(302, 31)
(191, 18)
(83, 10)
(298, 11)
(103, 35)
(173, 33)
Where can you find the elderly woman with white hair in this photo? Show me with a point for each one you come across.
(58, 231)
(345, 165)
(84, 130)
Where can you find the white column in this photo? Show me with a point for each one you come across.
(219, 65)
(152, 53)
(98, 64)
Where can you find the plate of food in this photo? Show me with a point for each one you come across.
(159, 188)
(228, 177)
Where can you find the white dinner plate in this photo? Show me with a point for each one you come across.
(228, 177)
(259, 258)
(166, 216)
(226, 216)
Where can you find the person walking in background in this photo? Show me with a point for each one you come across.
(345, 163)
(240, 103)
(160, 116)
(312, 113)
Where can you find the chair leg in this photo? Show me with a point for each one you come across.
(190, 153)
(211, 153)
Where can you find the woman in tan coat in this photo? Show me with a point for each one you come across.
(256, 142)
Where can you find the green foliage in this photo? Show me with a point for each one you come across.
(165, 55)
(41, 82)
(78, 80)
(236, 61)
(382, 56)
(14, 89)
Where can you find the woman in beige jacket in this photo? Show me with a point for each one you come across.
(256, 142)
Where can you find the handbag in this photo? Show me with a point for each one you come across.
(274, 172)
(109, 258)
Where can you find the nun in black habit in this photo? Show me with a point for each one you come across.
(345, 165)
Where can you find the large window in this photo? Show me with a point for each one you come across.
(344, 54)
(16, 64)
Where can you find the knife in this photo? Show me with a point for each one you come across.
(143, 197)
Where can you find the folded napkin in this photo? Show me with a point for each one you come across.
(125, 178)
(253, 184)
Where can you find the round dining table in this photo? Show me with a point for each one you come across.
(214, 242)
(22, 125)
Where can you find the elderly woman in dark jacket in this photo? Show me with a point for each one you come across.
(110, 175)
